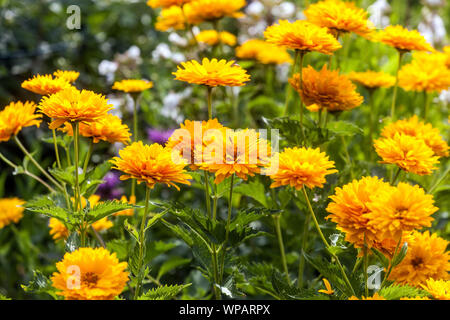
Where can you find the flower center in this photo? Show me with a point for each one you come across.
(400, 212)
(90, 279)
(417, 262)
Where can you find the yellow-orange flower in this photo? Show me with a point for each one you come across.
(303, 36)
(11, 211)
(132, 85)
(208, 10)
(58, 230)
(415, 298)
(403, 39)
(426, 258)
(421, 130)
(427, 72)
(69, 76)
(298, 167)
(349, 208)
(151, 164)
(71, 105)
(171, 18)
(372, 79)
(212, 37)
(376, 296)
(166, 3)
(90, 274)
(127, 212)
(45, 84)
(328, 290)
(192, 134)
(447, 55)
(108, 128)
(239, 152)
(409, 153)
(264, 52)
(15, 117)
(250, 49)
(212, 73)
(326, 89)
(399, 210)
(340, 17)
(439, 289)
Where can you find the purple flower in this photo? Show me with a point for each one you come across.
(159, 136)
(109, 189)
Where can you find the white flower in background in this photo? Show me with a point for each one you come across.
(178, 57)
(434, 3)
(257, 29)
(432, 27)
(255, 8)
(444, 97)
(284, 10)
(162, 51)
(379, 13)
(282, 72)
(176, 39)
(133, 52)
(171, 102)
(108, 68)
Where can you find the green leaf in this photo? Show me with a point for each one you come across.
(156, 248)
(290, 292)
(381, 257)
(120, 247)
(131, 230)
(66, 176)
(343, 128)
(105, 209)
(395, 292)
(170, 264)
(53, 212)
(93, 179)
(73, 242)
(254, 190)
(2, 297)
(163, 293)
(39, 284)
(400, 255)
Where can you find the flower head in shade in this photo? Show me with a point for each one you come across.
(69, 76)
(299, 167)
(398, 211)
(159, 136)
(426, 72)
(11, 211)
(426, 258)
(132, 85)
(15, 117)
(108, 128)
(376, 296)
(193, 135)
(409, 153)
(212, 73)
(209, 10)
(372, 79)
(239, 152)
(303, 36)
(72, 105)
(349, 207)
(166, 3)
(326, 89)
(45, 84)
(340, 17)
(212, 37)
(151, 164)
(439, 289)
(102, 276)
(415, 128)
(403, 39)
(171, 18)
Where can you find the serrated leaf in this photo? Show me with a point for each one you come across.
(381, 257)
(170, 264)
(343, 128)
(163, 293)
(400, 255)
(39, 284)
(290, 292)
(395, 292)
(105, 209)
(156, 248)
(66, 176)
(120, 247)
(255, 190)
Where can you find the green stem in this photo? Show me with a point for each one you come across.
(25, 151)
(316, 223)
(302, 58)
(142, 245)
(301, 266)
(289, 89)
(394, 97)
(55, 144)
(209, 99)
(227, 232)
(76, 138)
(390, 265)
(207, 195)
(439, 180)
(88, 156)
(372, 115)
(394, 178)
(427, 105)
(276, 219)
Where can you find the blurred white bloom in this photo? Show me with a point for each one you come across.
(163, 51)
(432, 27)
(284, 10)
(178, 57)
(9, 15)
(434, 3)
(258, 29)
(108, 68)
(171, 102)
(133, 52)
(445, 97)
(379, 13)
(176, 39)
(255, 8)
(55, 7)
(282, 72)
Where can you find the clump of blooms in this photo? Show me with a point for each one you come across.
(132, 85)
(212, 37)
(171, 18)
(101, 275)
(68, 75)
(151, 164)
(425, 259)
(166, 3)
(212, 73)
(409, 153)
(326, 89)
(372, 79)
(46, 84)
(340, 17)
(264, 52)
(303, 36)
(403, 39)
(11, 211)
(16, 116)
(72, 105)
(209, 10)
(439, 289)
(376, 296)
(415, 128)
(298, 167)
